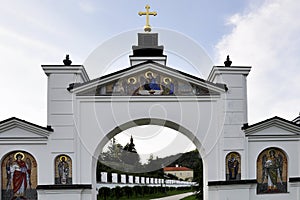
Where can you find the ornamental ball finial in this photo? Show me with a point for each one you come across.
(228, 62)
(67, 61)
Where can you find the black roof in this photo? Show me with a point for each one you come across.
(246, 126)
(219, 85)
(48, 128)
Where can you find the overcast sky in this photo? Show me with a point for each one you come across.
(263, 34)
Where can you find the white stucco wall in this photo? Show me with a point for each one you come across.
(82, 126)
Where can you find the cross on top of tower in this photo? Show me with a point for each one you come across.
(147, 27)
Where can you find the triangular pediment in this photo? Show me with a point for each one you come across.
(275, 127)
(14, 130)
(148, 78)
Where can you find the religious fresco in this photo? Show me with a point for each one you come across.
(233, 166)
(147, 82)
(63, 170)
(19, 176)
(272, 171)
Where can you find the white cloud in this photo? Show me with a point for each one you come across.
(267, 38)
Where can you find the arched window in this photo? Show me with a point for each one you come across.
(233, 166)
(19, 175)
(63, 169)
(272, 171)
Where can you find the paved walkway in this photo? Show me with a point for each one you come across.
(175, 197)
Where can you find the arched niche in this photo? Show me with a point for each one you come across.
(272, 171)
(63, 169)
(233, 166)
(18, 175)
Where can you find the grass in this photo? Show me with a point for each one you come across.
(151, 196)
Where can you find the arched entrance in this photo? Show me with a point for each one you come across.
(148, 121)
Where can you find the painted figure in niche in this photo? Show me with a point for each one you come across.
(131, 86)
(169, 86)
(272, 171)
(63, 170)
(8, 172)
(19, 176)
(233, 167)
(233, 161)
(152, 82)
(118, 88)
(143, 84)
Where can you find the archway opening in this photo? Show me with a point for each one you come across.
(150, 155)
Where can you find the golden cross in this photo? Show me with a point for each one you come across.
(147, 27)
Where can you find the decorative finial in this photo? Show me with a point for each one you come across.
(67, 61)
(147, 27)
(228, 62)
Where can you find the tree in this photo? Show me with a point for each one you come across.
(150, 159)
(113, 153)
(129, 154)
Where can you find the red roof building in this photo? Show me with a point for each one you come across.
(183, 173)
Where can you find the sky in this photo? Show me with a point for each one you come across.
(147, 141)
(263, 34)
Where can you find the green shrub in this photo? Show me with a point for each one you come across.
(138, 191)
(127, 191)
(117, 192)
(104, 192)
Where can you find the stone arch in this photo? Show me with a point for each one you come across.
(233, 166)
(149, 121)
(63, 169)
(18, 171)
(272, 171)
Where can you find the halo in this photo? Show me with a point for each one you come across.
(271, 150)
(146, 74)
(15, 156)
(60, 158)
(134, 80)
(165, 79)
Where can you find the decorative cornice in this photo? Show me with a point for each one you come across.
(208, 98)
(42, 133)
(279, 122)
(140, 67)
(218, 70)
(294, 179)
(64, 187)
(62, 69)
(236, 182)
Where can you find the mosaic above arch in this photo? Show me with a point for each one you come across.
(272, 171)
(19, 176)
(148, 82)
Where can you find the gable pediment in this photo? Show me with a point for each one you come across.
(14, 130)
(148, 78)
(275, 127)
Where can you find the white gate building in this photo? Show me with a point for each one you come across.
(259, 161)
